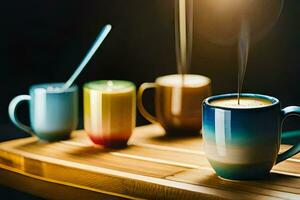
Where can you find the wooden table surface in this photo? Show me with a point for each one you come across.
(152, 167)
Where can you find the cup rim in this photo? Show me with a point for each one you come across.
(73, 88)
(130, 86)
(207, 80)
(274, 100)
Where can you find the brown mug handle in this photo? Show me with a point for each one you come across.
(140, 104)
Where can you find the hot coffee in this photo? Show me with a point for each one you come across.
(245, 102)
(177, 99)
(243, 141)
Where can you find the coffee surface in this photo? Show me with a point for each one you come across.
(110, 85)
(187, 80)
(245, 102)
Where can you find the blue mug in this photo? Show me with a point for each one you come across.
(53, 111)
(243, 143)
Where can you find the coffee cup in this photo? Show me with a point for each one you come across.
(109, 112)
(242, 141)
(177, 100)
(53, 111)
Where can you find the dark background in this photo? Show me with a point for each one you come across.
(44, 41)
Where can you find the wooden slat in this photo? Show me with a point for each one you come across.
(51, 189)
(288, 166)
(96, 157)
(155, 135)
(274, 186)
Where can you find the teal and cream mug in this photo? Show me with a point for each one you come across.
(242, 141)
(53, 111)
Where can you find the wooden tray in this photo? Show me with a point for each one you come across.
(152, 167)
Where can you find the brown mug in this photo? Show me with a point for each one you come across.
(177, 102)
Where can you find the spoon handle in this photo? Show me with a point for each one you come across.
(100, 38)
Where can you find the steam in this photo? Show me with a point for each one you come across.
(183, 34)
(243, 52)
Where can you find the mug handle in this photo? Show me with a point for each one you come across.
(286, 112)
(140, 104)
(12, 108)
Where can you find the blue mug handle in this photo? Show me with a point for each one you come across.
(286, 112)
(12, 108)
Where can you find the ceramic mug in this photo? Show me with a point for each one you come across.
(53, 112)
(177, 100)
(109, 112)
(243, 143)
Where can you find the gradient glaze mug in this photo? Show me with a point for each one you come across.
(53, 112)
(243, 142)
(109, 112)
(177, 102)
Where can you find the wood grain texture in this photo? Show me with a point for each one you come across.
(151, 167)
(51, 189)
